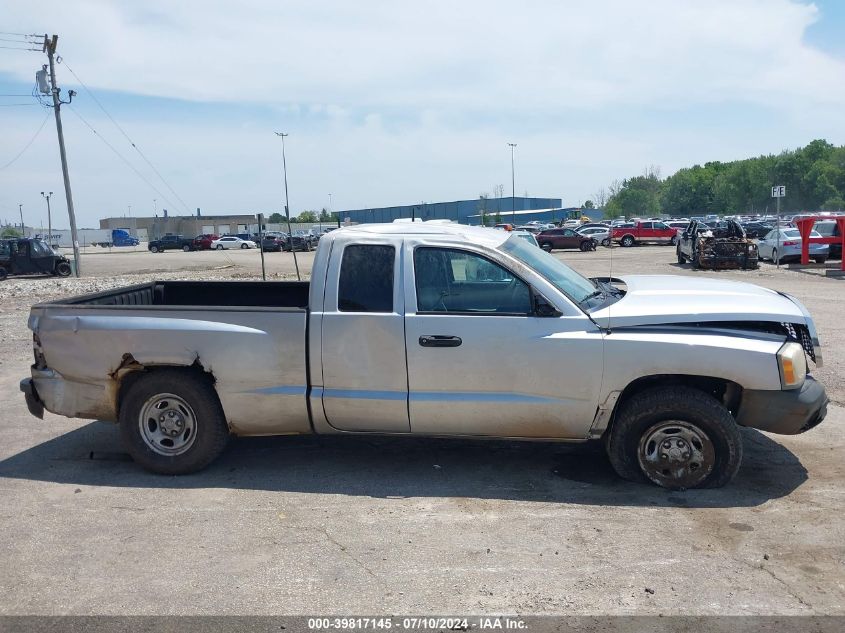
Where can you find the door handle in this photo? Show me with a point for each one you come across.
(438, 340)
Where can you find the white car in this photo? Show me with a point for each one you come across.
(231, 241)
(600, 235)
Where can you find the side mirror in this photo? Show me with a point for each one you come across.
(542, 307)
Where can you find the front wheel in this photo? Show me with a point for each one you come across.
(674, 240)
(244, 246)
(63, 269)
(172, 423)
(821, 260)
(154, 249)
(676, 437)
(586, 246)
(605, 242)
(627, 241)
(186, 248)
(681, 258)
(219, 247)
(546, 246)
(3, 273)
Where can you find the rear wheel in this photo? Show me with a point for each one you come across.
(154, 249)
(244, 245)
(775, 258)
(172, 423)
(186, 248)
(676, 437)
(674, 240)
(546, 246)
(680, 255)
(3, 273)
(821, 260)
(63, 269)
(627, 241)
(219, 247)
(605, 241)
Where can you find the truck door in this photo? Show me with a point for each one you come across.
(365, 378)
(481, 362)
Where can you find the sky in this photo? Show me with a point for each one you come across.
(392, 102)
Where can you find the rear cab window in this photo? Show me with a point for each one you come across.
(366, 278)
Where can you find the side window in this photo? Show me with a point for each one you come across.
(455, 281)
(647, 225)
(661, 226)
(366, 278)
(568, 233)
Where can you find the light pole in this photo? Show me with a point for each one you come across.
(23, 229)
(49, 219)
(513, 187)
(282, 135)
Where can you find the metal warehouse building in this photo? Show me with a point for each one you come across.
(458, 211)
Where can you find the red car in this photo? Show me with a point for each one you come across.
(642, 232)
(564, 238)
(203, 242)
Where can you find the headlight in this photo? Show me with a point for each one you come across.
(792, 364)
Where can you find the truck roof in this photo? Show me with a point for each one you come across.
(475, 234)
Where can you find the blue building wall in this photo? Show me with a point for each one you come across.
(458, 211)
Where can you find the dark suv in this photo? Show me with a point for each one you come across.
(171, 242)
(564, 238)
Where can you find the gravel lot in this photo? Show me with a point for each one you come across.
(380, 525)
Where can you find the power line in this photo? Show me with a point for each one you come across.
(29, 95)
(129, 140)
(17, 41)
(26, 147)
(20, 34)
(17, 48)
(10, 105)
(119, 155)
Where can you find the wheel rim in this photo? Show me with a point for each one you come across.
(676, 454)
(167, 424)
(627, 241)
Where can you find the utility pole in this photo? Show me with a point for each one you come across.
(282, 135)
(49, 219)
(23, 229)
(49, 47)
(513, 188)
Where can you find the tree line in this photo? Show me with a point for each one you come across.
(304, 217)
(814, 177)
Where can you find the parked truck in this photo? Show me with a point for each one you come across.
(722, 247)
(646, 232)
(171, 242)
(436, 330)
(107, 238)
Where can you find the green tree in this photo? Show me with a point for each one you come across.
(10, 231)
(276, 218)
(589, 205)
(325, 216)
(307, 216)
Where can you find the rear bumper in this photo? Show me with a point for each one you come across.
(33, 402)
(785, 412)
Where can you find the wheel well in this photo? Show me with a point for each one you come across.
(138, 371)
(725, 391)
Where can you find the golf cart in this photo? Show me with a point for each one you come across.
(28, 256)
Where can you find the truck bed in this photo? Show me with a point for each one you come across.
(256, 294)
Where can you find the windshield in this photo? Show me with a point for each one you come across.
(561, 276)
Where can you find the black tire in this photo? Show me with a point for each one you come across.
(821, 260)
(219, 247)
(244, 245)
(63, 269)
(675, 406)
(546, 246)
(585, 246)
(775, 259)
(606, 242)
(3, 273)
(210, 433)
(681, 258)
(186, 248)
(674, 240)
(154, 249)
(627, 241)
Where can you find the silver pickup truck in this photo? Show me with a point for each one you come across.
(436, 330)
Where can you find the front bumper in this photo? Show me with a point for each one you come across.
(786, 412)
(33, 402)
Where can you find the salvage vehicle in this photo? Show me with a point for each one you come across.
(721, 248)
(399, 332)
(171, 242)
(565, 238)
(203, 242)
(784, 244)
(649, 232)
(30, 256)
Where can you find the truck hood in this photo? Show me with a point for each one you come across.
(664, 299)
